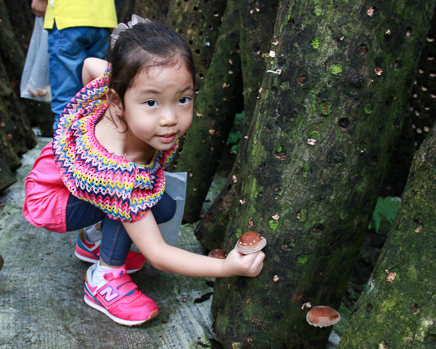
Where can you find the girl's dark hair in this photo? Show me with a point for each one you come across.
(142, 47)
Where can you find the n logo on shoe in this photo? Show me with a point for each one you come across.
(109, 294)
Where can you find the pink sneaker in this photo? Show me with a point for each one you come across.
(90, 252)
(118, 298)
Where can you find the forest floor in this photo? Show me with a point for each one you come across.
(41, 289)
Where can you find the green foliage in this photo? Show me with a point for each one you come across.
(384, 213)
(235, 133)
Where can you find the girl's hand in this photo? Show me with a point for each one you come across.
(237, 264)
(38, 7)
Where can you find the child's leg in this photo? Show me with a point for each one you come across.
(81, 214)
(116, 243)
(107, 287)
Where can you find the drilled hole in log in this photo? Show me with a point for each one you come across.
(344, 123)
(362, 50)
(368, 311)
(357, 80)
(318, 228)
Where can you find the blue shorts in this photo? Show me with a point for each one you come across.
(67, 50)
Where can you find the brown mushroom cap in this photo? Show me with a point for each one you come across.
(217, 253)
(322, 316)
(250, 242)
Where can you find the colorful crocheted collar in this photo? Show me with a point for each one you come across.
(121, 188)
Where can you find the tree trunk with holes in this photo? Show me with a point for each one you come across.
(255, 37)
(328, 116)
(398, 308)
(155, 10)
(419, 118)
(218, 100)
(423, 100)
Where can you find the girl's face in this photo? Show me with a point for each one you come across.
(158, 107)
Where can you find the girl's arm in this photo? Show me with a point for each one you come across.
(147, 237)
(92, 69)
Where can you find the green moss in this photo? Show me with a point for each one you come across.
(315, 43)
(285, 86)
(336, 69)
(273, 224)
(388, 304)
(302, 260)
(238, 233)
(279, 149)
(306, 169)
(315, 135)
(303, 215)
(326, 108)
(412, 275)
(318, 10)
(343, 215)
(369, 108)
(362, 185)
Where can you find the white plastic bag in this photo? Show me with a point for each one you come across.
(34, 81)
(176, 188)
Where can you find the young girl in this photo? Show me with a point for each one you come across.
(106, 164)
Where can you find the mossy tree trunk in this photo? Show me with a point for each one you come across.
(327, 119)
(219, 98)
(423, 100)
(152, 9)
(398, 307)
(419, 118)
(256, 29)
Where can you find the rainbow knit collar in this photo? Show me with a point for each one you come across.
(121, 188)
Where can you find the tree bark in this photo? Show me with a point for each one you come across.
(218, 100)
(256, 31)
(151, 9)
(329, 114)
(397, 309)
(199, 23)
(10, 49)
(420, 117)
(423, 99)
(16, 135)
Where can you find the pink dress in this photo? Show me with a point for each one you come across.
(75, 162)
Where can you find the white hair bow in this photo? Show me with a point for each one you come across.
(121, 27)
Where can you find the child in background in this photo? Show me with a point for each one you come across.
(106, 164)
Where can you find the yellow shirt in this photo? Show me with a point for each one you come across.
(80, 13)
